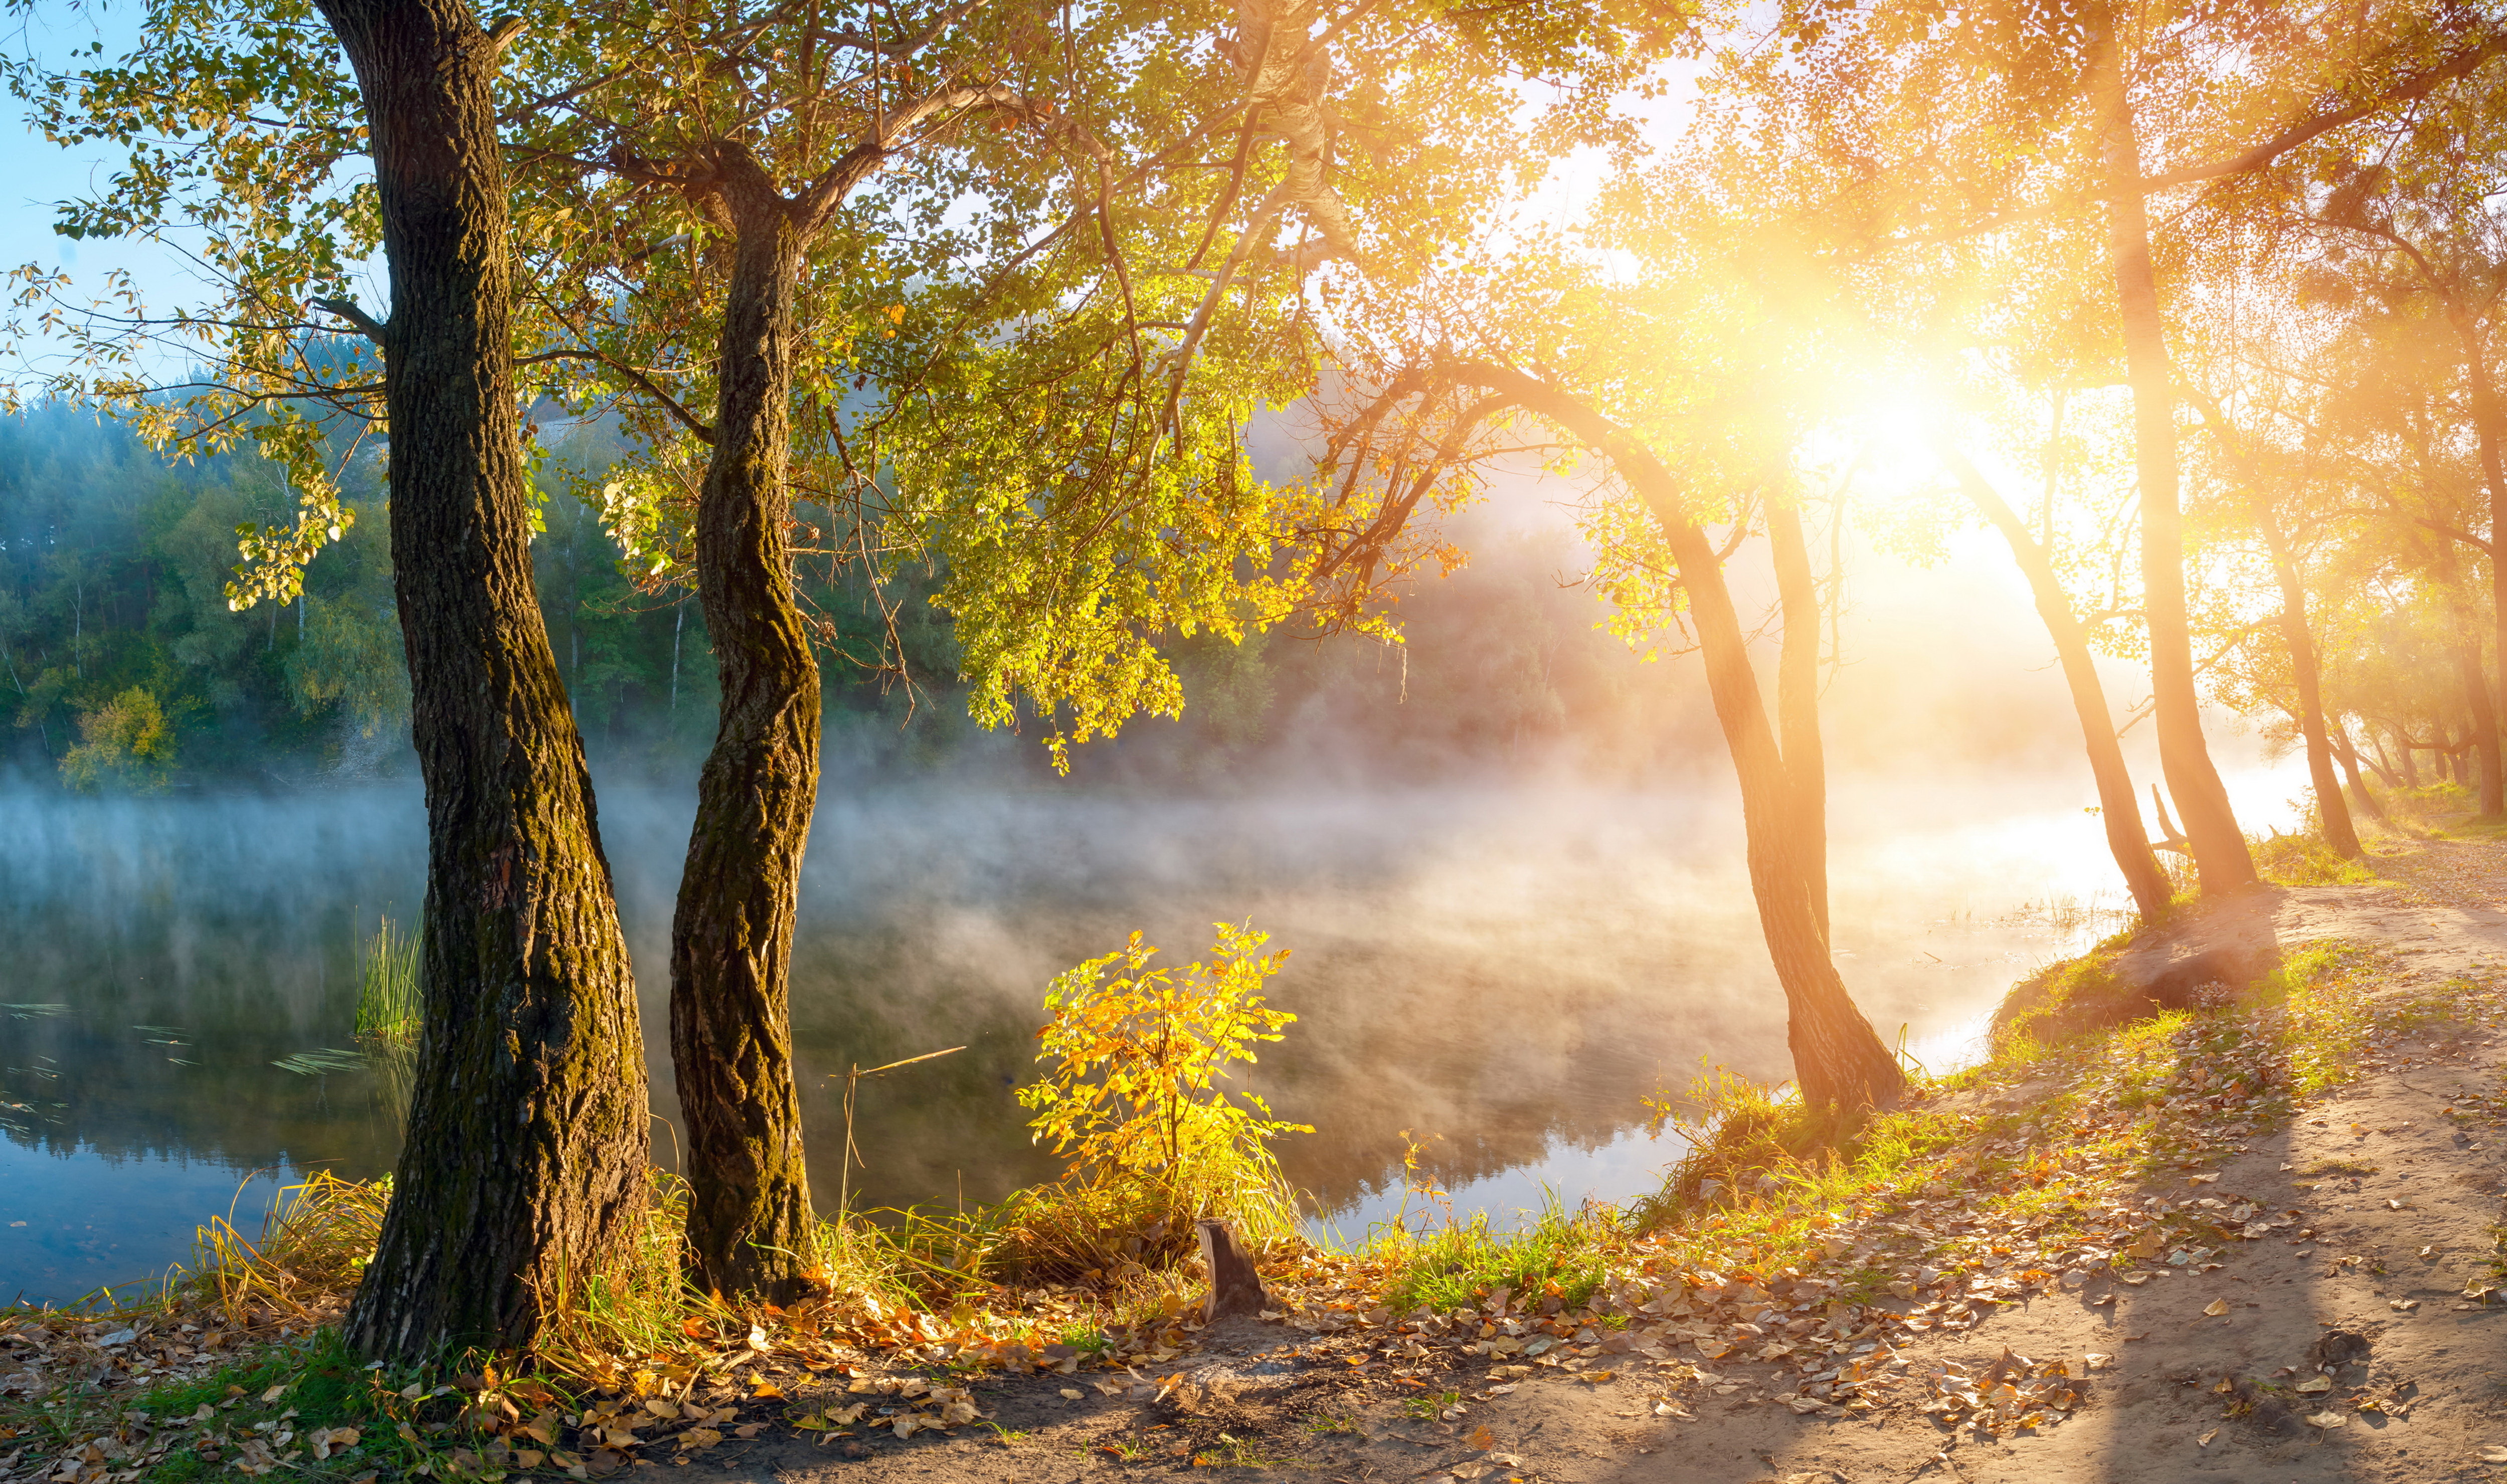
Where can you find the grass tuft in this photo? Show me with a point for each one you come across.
(390, 1010)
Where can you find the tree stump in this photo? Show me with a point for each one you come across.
(1235, 1289)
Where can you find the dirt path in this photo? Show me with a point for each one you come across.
(2374, 1210)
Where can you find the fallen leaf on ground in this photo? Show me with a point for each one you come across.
(2216, 1307)
(2327, 1419)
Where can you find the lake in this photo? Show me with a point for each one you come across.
(1498, 973)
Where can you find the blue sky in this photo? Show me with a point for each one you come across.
(39, 175)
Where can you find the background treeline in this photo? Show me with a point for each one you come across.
(126, 668)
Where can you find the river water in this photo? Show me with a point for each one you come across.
(1498, 974)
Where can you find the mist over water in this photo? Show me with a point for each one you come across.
(1502, 970)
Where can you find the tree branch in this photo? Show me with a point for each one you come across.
(347, 308)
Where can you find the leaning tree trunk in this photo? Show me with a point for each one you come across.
(2359, 791)
(2220, 855)
(524, 1171)
(2338, 830)
(2118, 809)
(1838, 1060)
(2411, 764)
(1797, 693)
(2381, 765)
(750, 1225)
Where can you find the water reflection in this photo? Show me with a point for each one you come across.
(1500, 972)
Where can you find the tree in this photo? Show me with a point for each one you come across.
(1057, 425)
(2248, 467)
(525, 1166)
(523, 1173)
(2118, 810)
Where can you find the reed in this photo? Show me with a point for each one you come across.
(388, 1010)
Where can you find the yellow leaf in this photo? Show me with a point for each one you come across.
(2216, 1307)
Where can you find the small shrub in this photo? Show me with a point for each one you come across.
(1131, 1099)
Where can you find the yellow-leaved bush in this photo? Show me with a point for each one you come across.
(1131, 1099)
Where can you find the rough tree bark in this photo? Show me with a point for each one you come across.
(750, 1226)
(2118, 810)
(1838, 1060)
(1798, 690)
(524, 1171)
(2220, 855)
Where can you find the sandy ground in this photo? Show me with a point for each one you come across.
(2392, 1207)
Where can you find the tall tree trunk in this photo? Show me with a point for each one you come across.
(750, 1224)
(2485, 725)
(1838, 1059)
(2220, 855)
(2490, 429)
(2118, 809)
(1805, 759)
(524, 1171)
(2338, 830)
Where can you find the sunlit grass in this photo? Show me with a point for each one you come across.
(390, 1010)
(1559, 1255)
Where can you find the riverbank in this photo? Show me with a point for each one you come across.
(1984, 1286)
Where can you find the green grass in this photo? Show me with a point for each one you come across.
(388, 1007)
(1767, 1184)
(2305, 860)
(1558, 1255)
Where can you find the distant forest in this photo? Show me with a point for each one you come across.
(125, 669)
